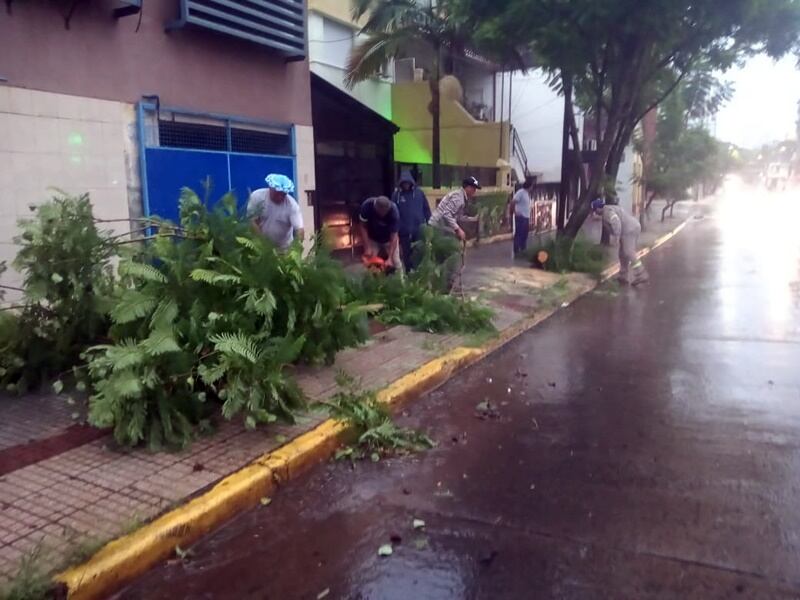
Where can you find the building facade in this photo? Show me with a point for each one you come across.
(131, 104)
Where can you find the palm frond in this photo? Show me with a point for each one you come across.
(214, 278)
(367, 58)
(141, 271)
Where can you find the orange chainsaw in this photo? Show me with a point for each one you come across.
(377, 265)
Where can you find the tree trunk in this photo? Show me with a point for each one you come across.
(619, 119)
(436, 108)
(566, 172)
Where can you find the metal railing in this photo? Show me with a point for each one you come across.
(518, 150)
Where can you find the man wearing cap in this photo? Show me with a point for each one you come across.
(380, 223)
(626, 228)
(451, 208)
(274, 213)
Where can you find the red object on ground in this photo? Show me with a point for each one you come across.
(375, 264)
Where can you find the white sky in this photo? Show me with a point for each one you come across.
(764, 107)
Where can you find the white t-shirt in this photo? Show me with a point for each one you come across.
(522, 203)
(276, 221)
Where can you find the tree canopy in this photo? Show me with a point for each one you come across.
(626, 56)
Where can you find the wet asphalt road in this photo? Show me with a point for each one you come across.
(646, 445)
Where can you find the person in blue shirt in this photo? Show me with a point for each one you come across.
(414, 213)
(380, 221)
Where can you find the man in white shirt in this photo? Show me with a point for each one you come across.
(521, 203)
(274, 213)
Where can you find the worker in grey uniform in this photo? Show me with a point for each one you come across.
(626, 229)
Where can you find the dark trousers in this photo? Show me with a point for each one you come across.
(407, 251)
(521, 227)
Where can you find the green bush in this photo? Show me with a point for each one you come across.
(202, 317)
(67, 278)
(210, 312)
(493, 212)
(579, 256)
(422, 299)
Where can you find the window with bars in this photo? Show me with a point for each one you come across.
(222, 138)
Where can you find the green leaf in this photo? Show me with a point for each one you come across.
(212, 374)
(125, 384)
(161, 341)
(58, 386)
(248, 243)
(214, 278)
(56, 278)
(124, 355)
(165, 314)
(141, 271)
(133, 305)
(238, 344)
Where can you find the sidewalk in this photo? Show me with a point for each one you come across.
(63, 492)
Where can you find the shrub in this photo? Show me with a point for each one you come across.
(580, 256)
(210, 312)
(67, 277)
(421, 300)
(493, 212)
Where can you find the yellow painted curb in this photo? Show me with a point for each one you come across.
(128, 557)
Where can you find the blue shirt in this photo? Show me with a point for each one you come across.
(379, 229)
(414, 210)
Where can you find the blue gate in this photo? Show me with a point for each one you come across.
(184, 149)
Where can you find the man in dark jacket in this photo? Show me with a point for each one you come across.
(414, 213)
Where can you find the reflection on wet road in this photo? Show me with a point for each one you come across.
(647, 446)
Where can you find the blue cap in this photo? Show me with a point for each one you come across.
(280, 183)
(598, 204)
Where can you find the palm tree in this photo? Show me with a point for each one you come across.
(392, 27)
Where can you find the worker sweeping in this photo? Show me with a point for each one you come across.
(626, 229)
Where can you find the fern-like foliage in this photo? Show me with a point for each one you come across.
(65, 263)
(208, 321)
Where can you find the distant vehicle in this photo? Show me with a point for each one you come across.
(777, 176)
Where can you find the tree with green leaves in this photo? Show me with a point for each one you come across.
(683, 155)
(624, 57)
(394, 28)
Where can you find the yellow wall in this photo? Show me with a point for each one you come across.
(465, 140)
(336, 9)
